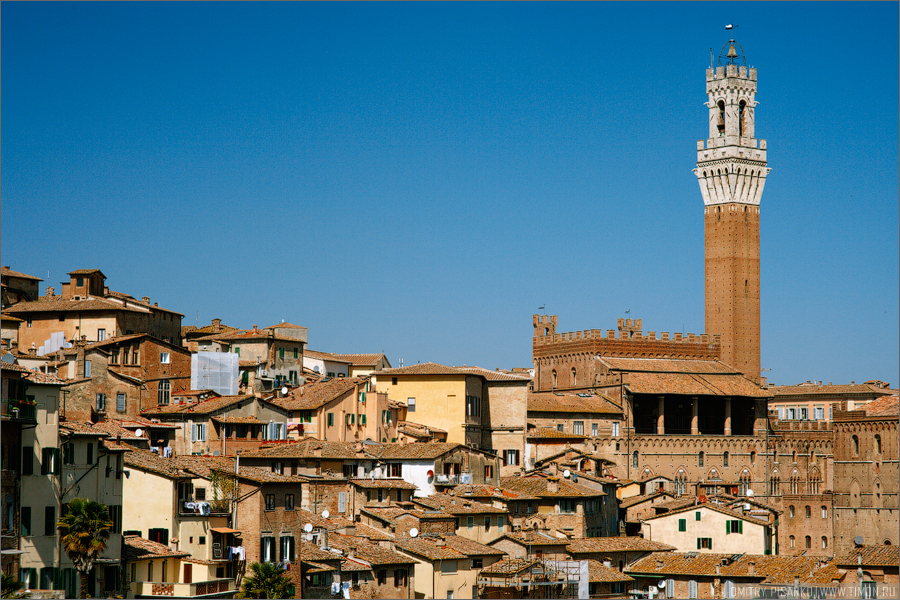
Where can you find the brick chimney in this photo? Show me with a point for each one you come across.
(553, 484)
(146, 299)
(255, 330)
(751, 568)
(50, 291)
(217, 325)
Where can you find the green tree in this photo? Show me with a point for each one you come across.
(11, 587)
(85, 529)
(267, 580)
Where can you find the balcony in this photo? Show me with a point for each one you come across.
(449, 480)
(202, 589)
(204, 508)
(20, 410)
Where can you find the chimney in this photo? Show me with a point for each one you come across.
(255, 330)
(751, 568)
(351, 550)
(553, 484)
(554, 468)
(50, 291)
(146, 299)
(217, 325)
(607, 563)
(659, 564)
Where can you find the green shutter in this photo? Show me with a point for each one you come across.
(698, 543)
(362, 419)
(682, 524)
(697, 516)
(740, 527)
(727, 526)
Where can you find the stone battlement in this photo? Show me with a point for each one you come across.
(626, 340)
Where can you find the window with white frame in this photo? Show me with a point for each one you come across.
(164, 392)
(411, 405)
(594, 429)
(578, 427)
(615, 429)
(164, 358)
(199, 432)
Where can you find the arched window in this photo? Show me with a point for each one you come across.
(791, 511)
(808, 511)
(725, 460)
(814, 480)
(721, 123)
(795, 482)
(634, 460)
(741, 115)
(700, 459)
(794, 456)
(854, 445)
(574, 380)
(165, 389)
(877, 444)
(775, 484)
(792, 541)
(553, 378)
(680, 483)
(753, 458)
(824, 512)
(808, 541)
(824, 543)
(744, 482)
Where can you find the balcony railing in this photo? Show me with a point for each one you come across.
(19, 410)
(213, 507)
(453, 479)
(183, 590)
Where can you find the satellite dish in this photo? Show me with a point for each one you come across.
(284, 391)
(566, 473)
(413, 532)
(325, 514)
(858, 540)
(662, 584)
(139, 432)
(750, 493)
(307, 528)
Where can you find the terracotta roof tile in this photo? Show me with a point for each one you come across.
(7, 272)
(536, 538)
(445, 547)
(631, 501)
(390, 513)
(367, 551)
(138, 548)
(5, 366)
(383, 483)
(323, 356)
(198, 408)
(310, 448)
(310, 552)
(812, 389)
(615, 544)
(489, 491)
(773, 570)
(45, 378)
(599, 573)
(510, 566)
(456, 506)
(549, 433)
(244, 420)
(886, 406)
(284, 325)
(880, 556)
(315, 395)
(495, 375)
(676, 376)
(362, 360)
(537, 485)
(415, 451)
(570, 402)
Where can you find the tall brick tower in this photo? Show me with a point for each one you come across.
(731, 169)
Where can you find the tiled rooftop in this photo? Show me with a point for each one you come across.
(203, 407)
(509, 566)
(383, 483)
(456, 506)
(773, 570)
(571, 403)
(550, 433)
(537, 538)
(415, 451)
(537, 485)
(880, 556)
(599, 573)
(615, 544)
(7, 272)
(367, 551)
(489, 491)
(138, 548)
(814, 389)
(886, 406)
(315, 395)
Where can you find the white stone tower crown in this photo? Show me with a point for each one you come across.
(731, 162)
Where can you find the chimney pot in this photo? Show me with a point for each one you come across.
(146, 299)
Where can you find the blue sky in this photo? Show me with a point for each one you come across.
(419, 178)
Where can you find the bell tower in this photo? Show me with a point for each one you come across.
(732, 170)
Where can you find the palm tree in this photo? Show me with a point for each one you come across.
(266, 581)
(85, 529)
(11, 587)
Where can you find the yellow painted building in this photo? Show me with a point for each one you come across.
(447, 398)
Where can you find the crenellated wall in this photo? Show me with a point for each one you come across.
(563, 352)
